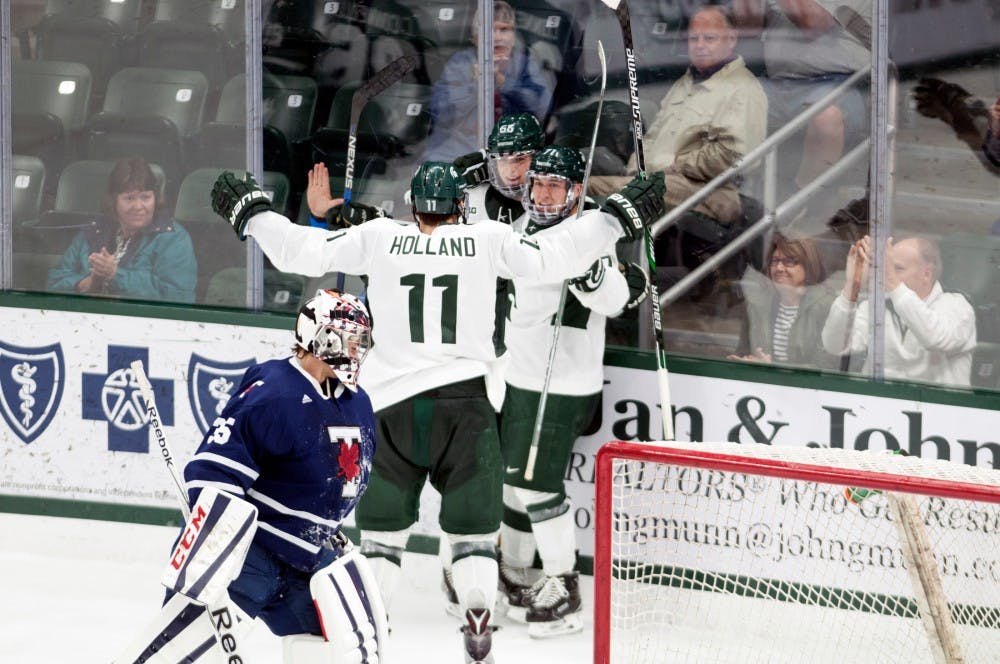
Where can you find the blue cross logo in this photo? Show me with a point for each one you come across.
(114, 398)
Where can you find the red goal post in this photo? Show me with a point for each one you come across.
(727, 552)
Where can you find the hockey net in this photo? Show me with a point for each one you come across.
(721, 552)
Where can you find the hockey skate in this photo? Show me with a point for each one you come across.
(451, 597)
(556, 607)
(516, 588)
(477, 633)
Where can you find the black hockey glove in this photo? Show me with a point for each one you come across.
(473, 168)
(638, 204)
(236, 199)
(638, 285)
(939, 99)
(351, 214)
(590, 280)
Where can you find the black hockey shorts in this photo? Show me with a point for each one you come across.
(447, 434)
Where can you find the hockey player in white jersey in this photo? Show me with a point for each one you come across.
(497, 176)
(431, 289)
(537, 511)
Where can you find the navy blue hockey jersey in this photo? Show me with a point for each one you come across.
(301, 458)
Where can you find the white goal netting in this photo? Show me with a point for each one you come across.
(751, 553)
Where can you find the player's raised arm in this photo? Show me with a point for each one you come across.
(571, 249)
(300, 249)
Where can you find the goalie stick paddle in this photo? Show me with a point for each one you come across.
(222, 615)
(536, 433)
(620, 7)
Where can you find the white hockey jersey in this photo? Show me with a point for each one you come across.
(485, 202)
(432, 296)
(578, 368)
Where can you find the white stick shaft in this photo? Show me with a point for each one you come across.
(156, 425)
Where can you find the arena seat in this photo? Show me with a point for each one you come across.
(282, 291)
(28, 179)
(49, 101)
(93, 41)
(155, 113)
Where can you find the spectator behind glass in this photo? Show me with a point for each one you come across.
(929, 334)
(520, 86)
(135, 250)
(808, 51)
(714, 114)
(786, 309)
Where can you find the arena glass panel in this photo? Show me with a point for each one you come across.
(946, 186)
(109, 99)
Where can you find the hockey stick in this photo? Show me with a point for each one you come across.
(382, 79)
(620, 7)
(223, 615)
(536, 433)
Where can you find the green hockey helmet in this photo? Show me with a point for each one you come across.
(515, 139)
(437, 188)
(554, 165)
(515, 132)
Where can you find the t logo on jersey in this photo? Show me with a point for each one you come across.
(348, 440)
(210, 385)
(31, 385)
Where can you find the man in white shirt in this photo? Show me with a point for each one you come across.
(929, 334)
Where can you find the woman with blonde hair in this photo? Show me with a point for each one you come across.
(786, 309)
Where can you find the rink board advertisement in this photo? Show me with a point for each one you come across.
(74, 426)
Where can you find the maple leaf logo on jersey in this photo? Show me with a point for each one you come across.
(348, 460)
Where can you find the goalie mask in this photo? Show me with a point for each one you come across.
(553, 184)
(336, 328)
(437, 188)
(513, 142)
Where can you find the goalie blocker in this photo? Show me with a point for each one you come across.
(197, 625)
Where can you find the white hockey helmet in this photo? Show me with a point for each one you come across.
(336, 328)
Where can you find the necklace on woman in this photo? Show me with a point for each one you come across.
(121, 246)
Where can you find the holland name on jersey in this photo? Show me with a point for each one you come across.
(403, 245)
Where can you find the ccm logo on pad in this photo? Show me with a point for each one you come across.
(188, 538)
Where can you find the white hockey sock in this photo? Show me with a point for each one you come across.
(384, 551)
(517, 546)
(475, 576)
(556, 538)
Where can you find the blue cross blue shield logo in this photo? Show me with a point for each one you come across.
(31, 385)
(210, 384)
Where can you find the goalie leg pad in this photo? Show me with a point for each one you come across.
(212, 548)
(350, 609)
(181, 632)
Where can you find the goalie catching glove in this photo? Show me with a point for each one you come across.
(351, 214)
(638, 204)
(237, 199)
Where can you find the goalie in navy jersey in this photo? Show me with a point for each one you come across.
(292, 453)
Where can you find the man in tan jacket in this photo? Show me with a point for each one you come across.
(715, 113)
